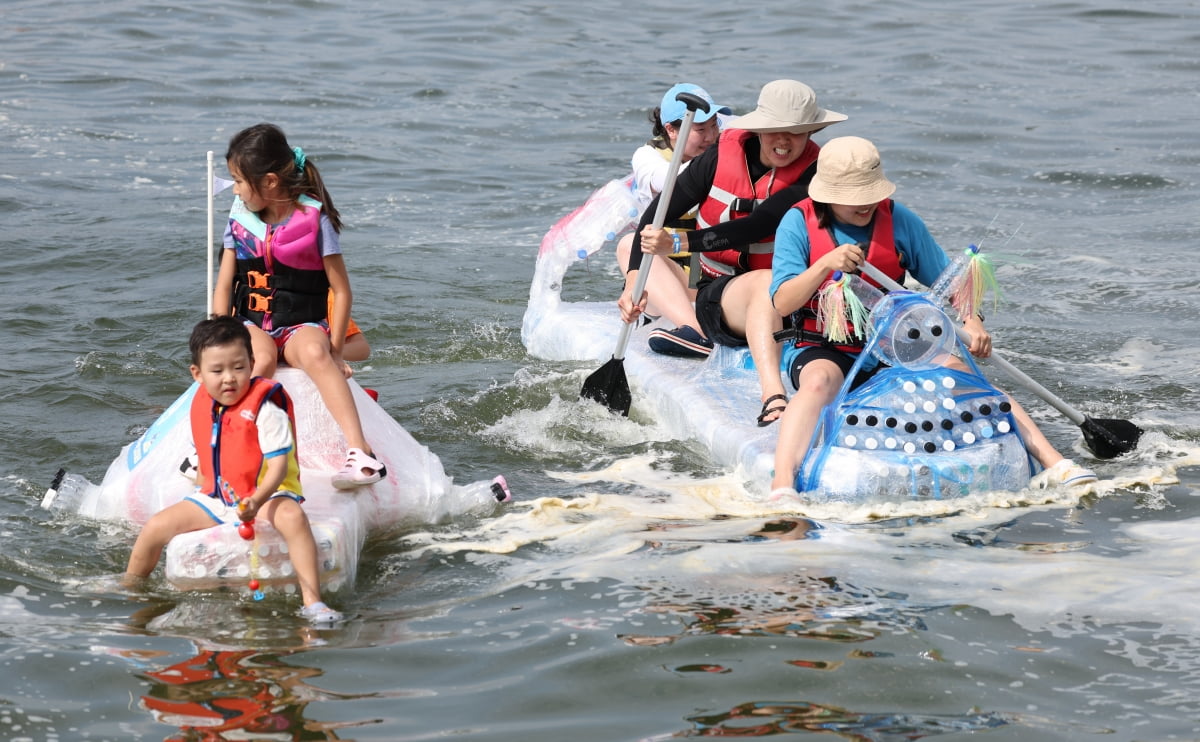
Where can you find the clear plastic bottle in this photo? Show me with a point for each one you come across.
(866, 293)
(952, 277)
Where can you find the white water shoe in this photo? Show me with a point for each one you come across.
(783, 493)
(1065, 473)
(359, 470)
(320, 614)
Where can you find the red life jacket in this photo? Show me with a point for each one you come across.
(733, 195)
(282, 283)
(226, 438)
(881, 253)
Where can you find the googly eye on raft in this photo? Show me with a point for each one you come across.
(910, 331)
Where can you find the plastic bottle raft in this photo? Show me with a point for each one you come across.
(610, 211)
(916, 429)
(145, 478)
(856, 456)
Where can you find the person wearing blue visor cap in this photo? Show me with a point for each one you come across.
(650, 161)
(669, 284)
(673, 110)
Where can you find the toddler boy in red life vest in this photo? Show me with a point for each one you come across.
(243, 430)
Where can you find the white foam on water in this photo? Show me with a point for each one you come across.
(568, 427)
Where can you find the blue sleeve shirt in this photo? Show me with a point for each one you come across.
(923, 258)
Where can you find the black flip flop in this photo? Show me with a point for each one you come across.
(767, 409)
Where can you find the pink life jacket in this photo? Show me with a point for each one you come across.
(281, 278)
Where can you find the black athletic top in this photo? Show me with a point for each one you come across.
(691, 189)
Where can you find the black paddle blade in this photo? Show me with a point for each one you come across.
(1110, 438)
(609, 387)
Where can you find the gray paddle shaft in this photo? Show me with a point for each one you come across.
(1052, 399)
(692, 102)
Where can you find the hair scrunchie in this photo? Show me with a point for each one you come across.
(299, 157)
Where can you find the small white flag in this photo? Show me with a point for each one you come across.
(219, 184)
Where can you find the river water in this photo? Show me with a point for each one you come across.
(634, 591)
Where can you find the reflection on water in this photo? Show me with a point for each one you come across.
(767, 719)
(800, 607)
(222, 693)
(217, 692)
(632, 590)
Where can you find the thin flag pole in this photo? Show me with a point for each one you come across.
(209, 249)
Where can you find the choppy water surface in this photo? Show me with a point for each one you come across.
(633, 591)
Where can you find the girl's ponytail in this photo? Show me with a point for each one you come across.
(310, 178)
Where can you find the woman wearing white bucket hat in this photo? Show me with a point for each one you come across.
(668, 282)
(850, 206)
(760, 167)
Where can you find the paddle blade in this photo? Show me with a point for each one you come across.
(609, 387)
(1109, 438)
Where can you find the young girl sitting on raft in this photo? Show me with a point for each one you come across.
(849, 205)
(281, 259)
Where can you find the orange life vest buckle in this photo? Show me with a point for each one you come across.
(258, 280)
(258, 303)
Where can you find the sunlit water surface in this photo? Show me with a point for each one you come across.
(634, 591)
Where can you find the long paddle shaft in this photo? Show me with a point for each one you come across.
(692, 102)
(608, 385)
(1106, 437)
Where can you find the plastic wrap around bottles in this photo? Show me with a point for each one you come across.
(145, 478)
(910, 331)
(916, 429)
(209, 559)
(612, 210)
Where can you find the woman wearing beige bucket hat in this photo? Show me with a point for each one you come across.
(850, 206)
(743, 186)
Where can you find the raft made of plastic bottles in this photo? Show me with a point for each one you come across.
(145, 478)
(916, 429)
